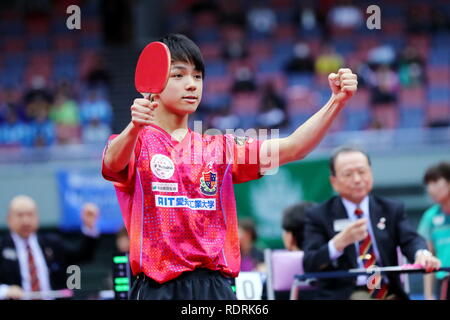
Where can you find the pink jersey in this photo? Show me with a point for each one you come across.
(177, 201)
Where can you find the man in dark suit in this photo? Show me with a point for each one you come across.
(359, 230)
(32, 262)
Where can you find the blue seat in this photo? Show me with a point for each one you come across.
(91, 42)
(12, 28)
(269, 66)
(302, 79)
(356, 120)
(215, 68)
(412, 118)
(204, 35)
(438, 94)
(39, 44)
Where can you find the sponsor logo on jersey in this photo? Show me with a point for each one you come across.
(162, 166)
(164, 187)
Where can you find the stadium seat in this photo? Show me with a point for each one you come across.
(412, 97)
(282, 267)
(438, 94)
(412, 118)
(356, 120)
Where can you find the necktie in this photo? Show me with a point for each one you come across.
(33, 271)
(368, 258)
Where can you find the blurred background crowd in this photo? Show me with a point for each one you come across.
(266, 64)
(64, 91)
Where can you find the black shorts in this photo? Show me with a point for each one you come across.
(200, 284)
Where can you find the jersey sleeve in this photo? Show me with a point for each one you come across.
(245, 158)
(426, 223)
(124, 178)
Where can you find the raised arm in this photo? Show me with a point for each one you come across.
(119, 152)
(306, 137)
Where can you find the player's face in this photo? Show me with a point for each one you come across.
(184, 88)
(439, 190)
(23, 220)
(353, 179)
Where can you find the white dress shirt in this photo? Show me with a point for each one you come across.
(350, 208)
(39, 260)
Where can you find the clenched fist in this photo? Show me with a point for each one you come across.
(142, 112)
(343, 84)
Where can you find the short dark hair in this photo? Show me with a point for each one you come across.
(345, 149)
(294, 220)
(185, 50)
(434, 173)
(248, 225)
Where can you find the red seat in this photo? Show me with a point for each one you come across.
(438, 111)
(412, 97)
(218, 85)
(438, 75)
(245, 103)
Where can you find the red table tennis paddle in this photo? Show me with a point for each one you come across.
(152, 69)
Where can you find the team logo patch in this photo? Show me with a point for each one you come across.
(162, 166)
(208, 183)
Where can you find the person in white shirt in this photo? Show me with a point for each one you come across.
(30, 262)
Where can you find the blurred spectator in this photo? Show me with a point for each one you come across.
(329, 246)
(328, 61)
(244, 80)
(439, 19)
(272, 113)
(42, 130)
(11, 103)
(301, 61)
(95, 107)
(262, 19)
(65, 116)
(345, 16)
(418, 18)
(122, 241)
(95, 132)
(252, 259)
(381, 55)
(117, 21)
(31, 262)
(411, 68)
(37, 98)
(308, 20)
(98, 77)
(14, 133)
(293, 224)
(122, 248)
(435, 225)
(224, 119)
(384, 84)
(234, 50)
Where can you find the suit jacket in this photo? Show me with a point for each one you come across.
(57, 255)
(319, 230)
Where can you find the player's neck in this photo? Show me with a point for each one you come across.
(173, 124)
